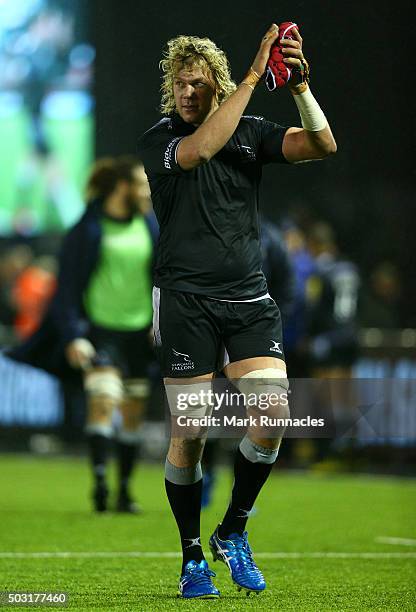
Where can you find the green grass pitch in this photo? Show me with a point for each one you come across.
(44, 507)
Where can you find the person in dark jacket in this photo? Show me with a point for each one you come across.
(331, 316)
(277, 267)
(98, 324)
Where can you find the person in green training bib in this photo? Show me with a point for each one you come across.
(98, 323)
(115, 351)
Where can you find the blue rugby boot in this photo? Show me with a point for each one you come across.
(236, 553)
(196, 582)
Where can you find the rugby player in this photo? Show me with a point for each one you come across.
(204, 163)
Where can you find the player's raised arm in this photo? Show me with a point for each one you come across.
(197, 103)
(315, 139)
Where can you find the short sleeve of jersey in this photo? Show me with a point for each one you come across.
(157, 150)
(271, 142)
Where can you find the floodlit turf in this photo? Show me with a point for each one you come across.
(44, 508)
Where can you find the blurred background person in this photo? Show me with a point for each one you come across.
(305, 271)
(331, 318)
(13, 261)
(99, 320)
(380, 299)
(31, 294)
(331, 343)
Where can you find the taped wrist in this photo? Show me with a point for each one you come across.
(311, 114)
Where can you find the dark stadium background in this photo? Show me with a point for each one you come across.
(334, 531)
(361, 64)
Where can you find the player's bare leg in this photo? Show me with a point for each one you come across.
(132, 410)
(104, 390)
(183, 477)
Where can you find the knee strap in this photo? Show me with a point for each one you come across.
(191, 400)
(104, 383)
(261, 384)
(137, 388)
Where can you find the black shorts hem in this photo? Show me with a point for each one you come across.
(252, 356)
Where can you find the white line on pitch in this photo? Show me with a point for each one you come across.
(402, 541)
(156, 555)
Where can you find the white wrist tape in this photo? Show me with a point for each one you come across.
(311, 114)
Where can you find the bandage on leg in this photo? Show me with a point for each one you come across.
(190, 406)
(132, 410)
(104, 390)
(100, 411)
(265, 393)
(267, 387)
(137, 388)
(192, 399)
(104, 382)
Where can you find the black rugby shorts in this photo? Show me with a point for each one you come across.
(196, 335)
(129, 351)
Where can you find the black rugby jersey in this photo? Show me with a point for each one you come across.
(209, 229)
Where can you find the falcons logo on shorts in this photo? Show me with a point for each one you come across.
(184, 356)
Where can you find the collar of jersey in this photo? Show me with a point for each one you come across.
(180, 126)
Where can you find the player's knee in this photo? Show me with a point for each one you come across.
(99, 416)
(266, 391)
(105, 384)
(136, 388)
(104, 390)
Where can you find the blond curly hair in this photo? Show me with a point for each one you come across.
(190, 51)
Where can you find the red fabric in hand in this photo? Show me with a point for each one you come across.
(277, 72)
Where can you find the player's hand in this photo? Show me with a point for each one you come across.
(293, 56)
(260, 61)
(79, 353)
